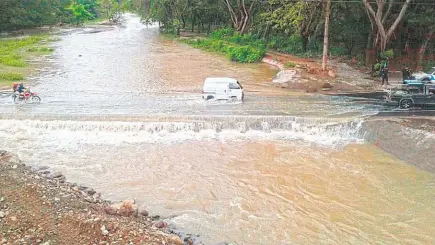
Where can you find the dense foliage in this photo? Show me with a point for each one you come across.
(361, 30)
(18, 14)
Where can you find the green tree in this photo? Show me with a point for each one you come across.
(80, 13)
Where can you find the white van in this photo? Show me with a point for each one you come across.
(222, 88)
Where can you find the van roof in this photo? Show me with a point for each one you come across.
(220, 79)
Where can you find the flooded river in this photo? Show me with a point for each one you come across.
(122, 113)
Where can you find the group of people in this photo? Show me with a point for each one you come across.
(18, 88)
(406, 74)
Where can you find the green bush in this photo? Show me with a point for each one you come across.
(387, 54)
(12, 60)
(235, 52)
(290, 64)
(40, 49)
(10, 76)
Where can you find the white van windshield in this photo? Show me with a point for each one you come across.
(234, 86)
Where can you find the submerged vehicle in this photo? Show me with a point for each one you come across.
(222, 88)
(416, 94)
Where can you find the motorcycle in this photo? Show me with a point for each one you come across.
(26, 97)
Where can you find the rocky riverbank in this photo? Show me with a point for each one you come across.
(41, 207)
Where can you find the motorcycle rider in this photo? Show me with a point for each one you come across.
(21, 88)
(15, 87)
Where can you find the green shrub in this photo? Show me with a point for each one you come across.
(10, 76)
(235, 52)
(12, 60)
(40, 49)
(290, 64)
(387, 54)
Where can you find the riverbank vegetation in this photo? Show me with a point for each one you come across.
(22, 14)
(15, 53)
(359, 31)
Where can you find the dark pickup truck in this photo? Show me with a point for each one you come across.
(411, 95)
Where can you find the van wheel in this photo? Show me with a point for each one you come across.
(406, 104)
(209, 97)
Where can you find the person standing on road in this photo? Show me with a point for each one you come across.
(384, 75)
(406, 73)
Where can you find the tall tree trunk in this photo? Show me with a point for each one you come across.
(209, 28)
(379, 18)
(304, 42)
(326, 36)
(422, 50)
(193, 23)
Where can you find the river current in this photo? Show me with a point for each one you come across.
(122, 112)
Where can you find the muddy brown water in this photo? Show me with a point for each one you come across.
(126, 118)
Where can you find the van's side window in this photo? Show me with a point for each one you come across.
(234, 86)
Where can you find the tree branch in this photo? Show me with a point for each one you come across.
(390, 7)
(398, 19)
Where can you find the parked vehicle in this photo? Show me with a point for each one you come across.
(411, 95)
(425, 76)
(27, 96)
(429, 80)
(222, 88)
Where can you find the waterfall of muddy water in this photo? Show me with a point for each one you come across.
(127, 119)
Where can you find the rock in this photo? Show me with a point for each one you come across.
(327, 85)
(75, 188)
(110, 210)
(45, 172)
(173, 239)
(311, 89)
(2, 215)
(46, 243)
(331, 74)
(110, 227)
(91, 191)
(42, 168)
(125, 208)
(56, 199)
(15, 166)
(14, 159)
(89, 199)
(144, 213)
(104, 231)
(62, 179)
(160, 224)
(56, 175)
(13, 218)
(2, 199)
(2, 153)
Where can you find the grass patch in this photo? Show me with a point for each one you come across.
(12, 60)
(40, 50)
(11, 49)
(290, 64)
(238, 53)
(11, 76)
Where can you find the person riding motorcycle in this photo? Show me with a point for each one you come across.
(21, 88)
(15, 87)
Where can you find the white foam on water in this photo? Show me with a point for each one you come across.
(326, 133)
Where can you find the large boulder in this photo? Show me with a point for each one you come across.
(125, 208)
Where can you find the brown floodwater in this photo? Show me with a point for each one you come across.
(126, 118)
